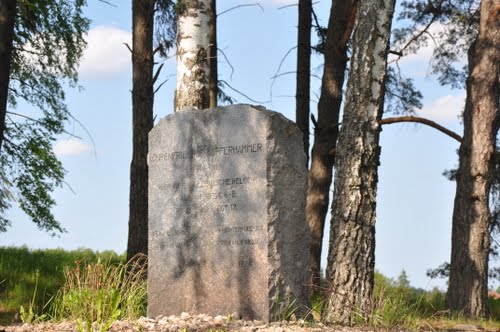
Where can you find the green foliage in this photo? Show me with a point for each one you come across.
(458, 20)
(48, 45)
(30, 278)
(166, 26)
(95, 295)
(401, 95)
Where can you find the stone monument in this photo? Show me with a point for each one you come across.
(227, 224)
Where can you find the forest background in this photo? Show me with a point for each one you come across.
(415, 200)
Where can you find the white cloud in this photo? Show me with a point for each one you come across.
(71, 147)
(444, 109)
(106, 53)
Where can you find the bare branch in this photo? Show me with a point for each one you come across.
(295, 4)
(239, 6)
(277, 72)
(315, 18)
(424, 121)
(159, 86)
(244, 95)
(283, 74)
(155, 77)
(287, 6)
(229, 63)
(109, 3)
(156, 50)
(69, 187)
(39, 122)
(414, 38)
(89, 135)
(398, 53)
(129, 48)
(294, 72)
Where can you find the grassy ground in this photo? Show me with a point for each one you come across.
(397, 304)
(89, 284)
(22, 271)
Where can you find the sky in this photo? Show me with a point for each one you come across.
(415, 201)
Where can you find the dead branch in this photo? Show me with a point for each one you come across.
(295, 4)
(229, 63)
(244, 95)
(89, 135)
(239, 6)
(278, 71)
(39, 122)
(129, 48)
(159, 86)
(155, 77)
(109, 3)
(424, 121)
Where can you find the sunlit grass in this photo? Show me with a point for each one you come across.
(96, 294)
(18, 275)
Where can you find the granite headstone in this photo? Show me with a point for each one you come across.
(227, 224)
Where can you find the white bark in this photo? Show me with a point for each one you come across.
(193, 48)
(351, 258)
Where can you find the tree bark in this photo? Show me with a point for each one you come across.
(468, 284)
(351, 258)
(340, 26)
(7, 19)
(195, 18)
(302, 97)
(212, 59)
(142, 123)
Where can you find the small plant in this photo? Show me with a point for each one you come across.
(95, 295)
(284, 307)
(29, 316)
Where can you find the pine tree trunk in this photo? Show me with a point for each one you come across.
(468, 284)
(213, 57)
(7, 19)
(340, 26)
(195, 18)
(302, 97)
(351, 258)
(142, 123)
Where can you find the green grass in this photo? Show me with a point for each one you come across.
(89, 287)
(95, 295)
(397, 304)
(19, 268)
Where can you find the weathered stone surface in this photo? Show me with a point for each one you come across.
(227, 226)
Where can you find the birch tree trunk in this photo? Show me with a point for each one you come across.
(351, 258)
(468, 284)
(340, 24)
(7, 19)
(195, 21)
(142, 123)
(212, 59)
(302, 96)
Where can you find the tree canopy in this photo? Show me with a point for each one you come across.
(48, 43)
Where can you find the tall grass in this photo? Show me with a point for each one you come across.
(22, 270)
(95, 295)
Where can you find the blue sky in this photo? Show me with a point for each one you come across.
(415, 201)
